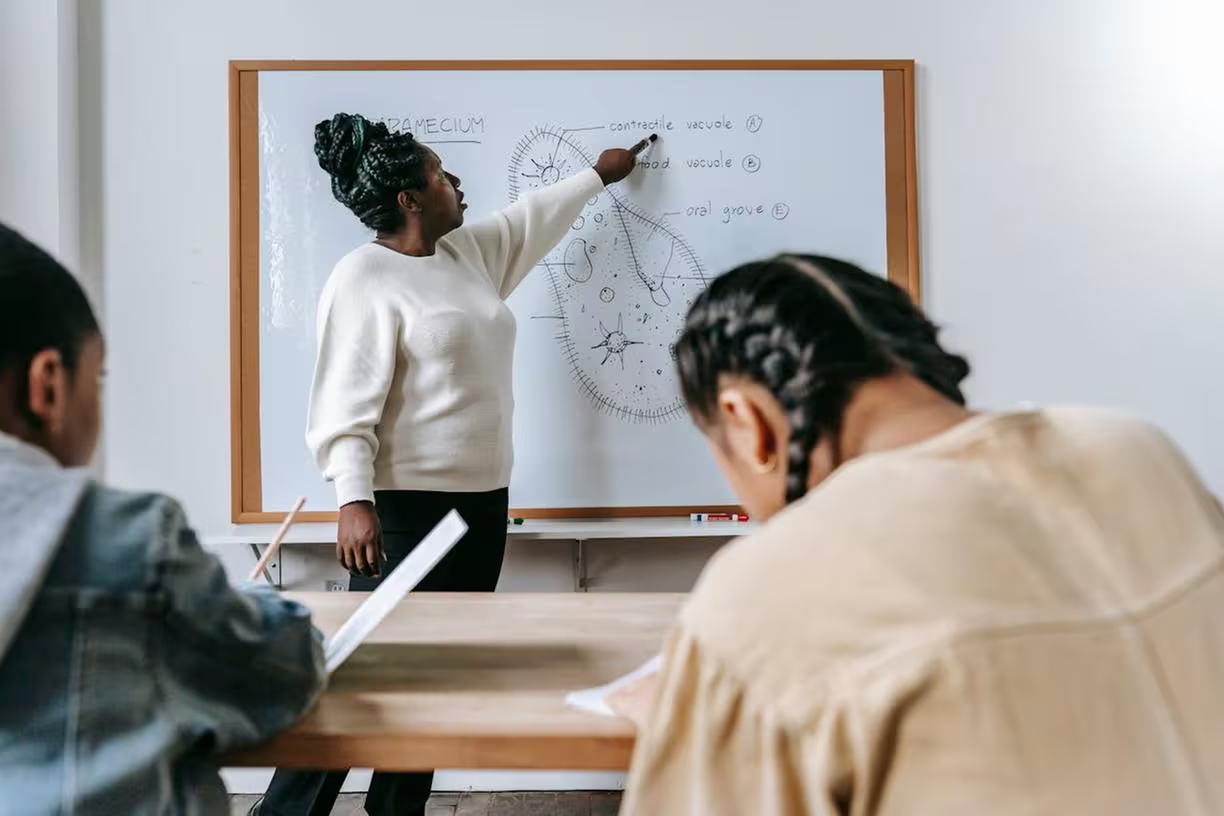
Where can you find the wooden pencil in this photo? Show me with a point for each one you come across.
(279, 539)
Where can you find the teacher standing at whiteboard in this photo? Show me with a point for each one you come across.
(411, 406)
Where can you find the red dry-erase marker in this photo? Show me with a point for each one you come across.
(717, 517)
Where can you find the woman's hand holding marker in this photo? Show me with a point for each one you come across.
(615, 164)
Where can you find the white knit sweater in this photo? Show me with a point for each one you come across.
(412, 385)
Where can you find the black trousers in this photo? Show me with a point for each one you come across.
(472, 565)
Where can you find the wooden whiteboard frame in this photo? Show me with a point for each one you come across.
(246, 489)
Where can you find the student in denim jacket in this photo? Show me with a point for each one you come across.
(127, 661)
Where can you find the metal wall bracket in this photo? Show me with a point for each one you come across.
(272, 574)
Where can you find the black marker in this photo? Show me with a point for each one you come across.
(642, 145)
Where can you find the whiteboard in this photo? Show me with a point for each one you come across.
(747, 164)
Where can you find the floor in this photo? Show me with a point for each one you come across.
(483, 804)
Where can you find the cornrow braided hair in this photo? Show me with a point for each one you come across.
(890, 315)
(809, 329)
(369, 167)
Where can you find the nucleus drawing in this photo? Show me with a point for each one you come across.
(621, 282)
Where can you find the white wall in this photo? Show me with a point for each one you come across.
(1072, 187)
(50, 150)
(38, 139)
(29, 93)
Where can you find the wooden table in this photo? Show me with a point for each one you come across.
(475, 681)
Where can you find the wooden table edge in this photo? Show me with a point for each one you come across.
(509, 752)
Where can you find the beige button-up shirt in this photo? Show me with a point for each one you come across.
(1024, 615)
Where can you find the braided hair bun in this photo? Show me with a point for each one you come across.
(369, 167)
(339, 143)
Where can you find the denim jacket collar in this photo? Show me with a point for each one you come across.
(38, 499)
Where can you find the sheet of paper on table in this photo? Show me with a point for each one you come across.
(596, 699)
(402, 580)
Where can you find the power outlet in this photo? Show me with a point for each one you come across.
(335, 586)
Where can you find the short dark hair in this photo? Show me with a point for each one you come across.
(42, 306)
(369, 167)
(808, 328)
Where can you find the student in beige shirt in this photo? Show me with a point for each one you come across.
(944, 612)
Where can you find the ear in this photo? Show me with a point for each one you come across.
(748, 432)
(409, 201)
(48, 388)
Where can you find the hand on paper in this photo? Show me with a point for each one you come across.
(359, 546)
(636, 700)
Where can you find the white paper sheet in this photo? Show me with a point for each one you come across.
(595, 699)
(402, 580)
